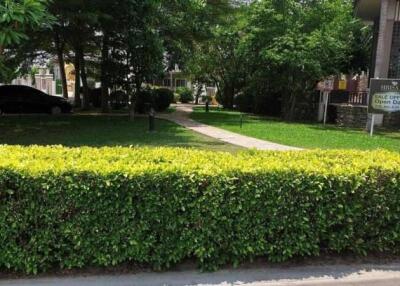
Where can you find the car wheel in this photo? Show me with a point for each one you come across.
(55, 110)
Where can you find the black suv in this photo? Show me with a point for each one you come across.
(25, 99)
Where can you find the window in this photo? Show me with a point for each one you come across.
(180, 83)
(167, 82)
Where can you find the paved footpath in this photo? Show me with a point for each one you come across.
(333, 275)
(181, 117)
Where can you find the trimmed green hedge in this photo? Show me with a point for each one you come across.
(185, 94)
(70, 208)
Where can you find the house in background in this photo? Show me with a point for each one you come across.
(176, 78)
(173, 79)
(48, 79)
(43, 80)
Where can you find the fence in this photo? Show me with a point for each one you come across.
(353, 98)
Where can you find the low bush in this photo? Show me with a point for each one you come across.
(160, 99)
(176, 98)
(144, 100)
(72, 208)
(118, 99)
(95, 97)
(185, 94)
(163, 98)
(244, 102)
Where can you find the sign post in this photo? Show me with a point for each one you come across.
(384, 98)
(372, 125)
(328, 87)
(326, 102)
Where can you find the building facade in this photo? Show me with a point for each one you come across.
(43, 81)
(384, 16)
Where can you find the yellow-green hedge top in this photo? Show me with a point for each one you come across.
(60, 159)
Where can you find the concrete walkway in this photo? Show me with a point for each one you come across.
(181, 117)
(333, 275)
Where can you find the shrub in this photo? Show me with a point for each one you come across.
(163, 98)
(72, 208)
(176, 98)
(95, 97)
(244, 102)
(118, 99)
(144, 100)
(160, 99)
(268, 104)
(185, 94)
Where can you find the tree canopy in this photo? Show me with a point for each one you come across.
(280, 48)
(263, 51)
(17, 17)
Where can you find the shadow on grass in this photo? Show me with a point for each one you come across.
(97, 131)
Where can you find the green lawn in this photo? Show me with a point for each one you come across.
(299, 134)
(96, 131)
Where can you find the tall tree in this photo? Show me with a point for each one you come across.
(217, 58)
(296, 43)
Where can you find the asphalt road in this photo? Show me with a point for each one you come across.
(337, 275)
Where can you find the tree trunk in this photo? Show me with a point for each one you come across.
(77, 63)
(138, 86)
(232, 96)
(86, 100)
(228, 94)
(132, 110)
(292, 107)
(104, 75)
(289, 106)
(60, 55)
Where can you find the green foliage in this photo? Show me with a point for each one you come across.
(144, 100)
(16, 19)
(274, 52)
(176, 98)
(185, 94)
(244, 102)
(290, 45)
(160, 99)
(163, 97)
(217, 59)
(72, 208)
(18, 16)
(118, 99)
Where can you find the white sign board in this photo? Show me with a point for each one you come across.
(384, 96)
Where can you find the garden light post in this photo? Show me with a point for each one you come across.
(151, 120)
(328, 87)
(207, 106)
(371, 132)
(326, 103)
